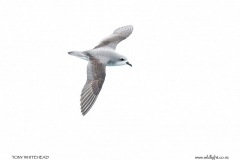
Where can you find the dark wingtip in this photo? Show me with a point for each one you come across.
(83, 113)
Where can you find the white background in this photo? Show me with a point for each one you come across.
(180, 99)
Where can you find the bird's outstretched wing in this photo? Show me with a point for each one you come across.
(95, 78)
(117, 36)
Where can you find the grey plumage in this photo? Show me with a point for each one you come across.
(117, 36)
(99, 57)
(95, 78)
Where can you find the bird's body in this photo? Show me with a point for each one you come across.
(106, 55)
(101, 56)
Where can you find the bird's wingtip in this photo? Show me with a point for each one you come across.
(83, 113)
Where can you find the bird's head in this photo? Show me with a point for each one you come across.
(119, 60)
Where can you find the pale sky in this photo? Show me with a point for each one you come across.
(178, 101)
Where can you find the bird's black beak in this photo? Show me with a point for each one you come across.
(128, 64)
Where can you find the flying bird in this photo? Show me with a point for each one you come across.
(98, 58)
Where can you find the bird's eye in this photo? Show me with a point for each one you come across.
(122, 59)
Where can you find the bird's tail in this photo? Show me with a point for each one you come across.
(82, 55)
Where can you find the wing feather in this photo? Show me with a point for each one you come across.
(95, 79)
(117, 36)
